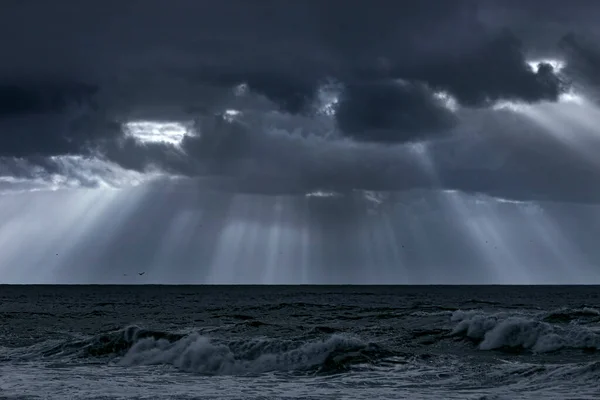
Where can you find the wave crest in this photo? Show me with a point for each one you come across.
(196, 353)
(199, 354)
(502, 330)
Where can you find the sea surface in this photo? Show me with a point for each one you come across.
(299, 342)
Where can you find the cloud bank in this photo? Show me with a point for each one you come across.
(278, 98)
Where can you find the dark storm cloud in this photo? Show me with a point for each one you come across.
(496, 71)
(47, 118)
(391, 112)
(415, 42)
(281, 50)
(26, 98)
(583, 58)
(292, 91)
(142, 59)
(504, 155)
(135, 155)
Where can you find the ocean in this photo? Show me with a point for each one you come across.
(299, 342)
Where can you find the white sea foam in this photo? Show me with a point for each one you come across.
(498, 330)
(198, 354)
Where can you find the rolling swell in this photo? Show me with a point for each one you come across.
(199, 354)
(195, 353)
(542, 333)
(113, 343)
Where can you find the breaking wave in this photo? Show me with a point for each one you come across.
(196, 353)
(563, 329)
(199, 354)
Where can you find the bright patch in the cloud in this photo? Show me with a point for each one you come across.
(319, 193)
(230, 114)
(77, 171)
(570, 97)
(241, 89)
(72, 172)
(557, 65)
(510, 105)
(328, 98)
(419, 148)
(447, 100)
(377, 198)
(156, 131)
(564, 98)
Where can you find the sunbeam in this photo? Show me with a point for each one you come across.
(353, 199)
(184, 233)
(429, 146)
(574, 123)
(502, 251)
(26, 249)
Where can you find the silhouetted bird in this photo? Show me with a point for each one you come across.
(141, 273)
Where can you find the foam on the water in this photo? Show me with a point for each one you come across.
(299, 342)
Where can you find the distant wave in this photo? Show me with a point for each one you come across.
(541, 333)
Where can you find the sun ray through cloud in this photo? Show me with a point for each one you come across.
(397, 152)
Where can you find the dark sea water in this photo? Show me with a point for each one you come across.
(309, 342)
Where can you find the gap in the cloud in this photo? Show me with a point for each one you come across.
(556, 64)
(147, 131)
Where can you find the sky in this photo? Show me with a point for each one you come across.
(412, 142)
